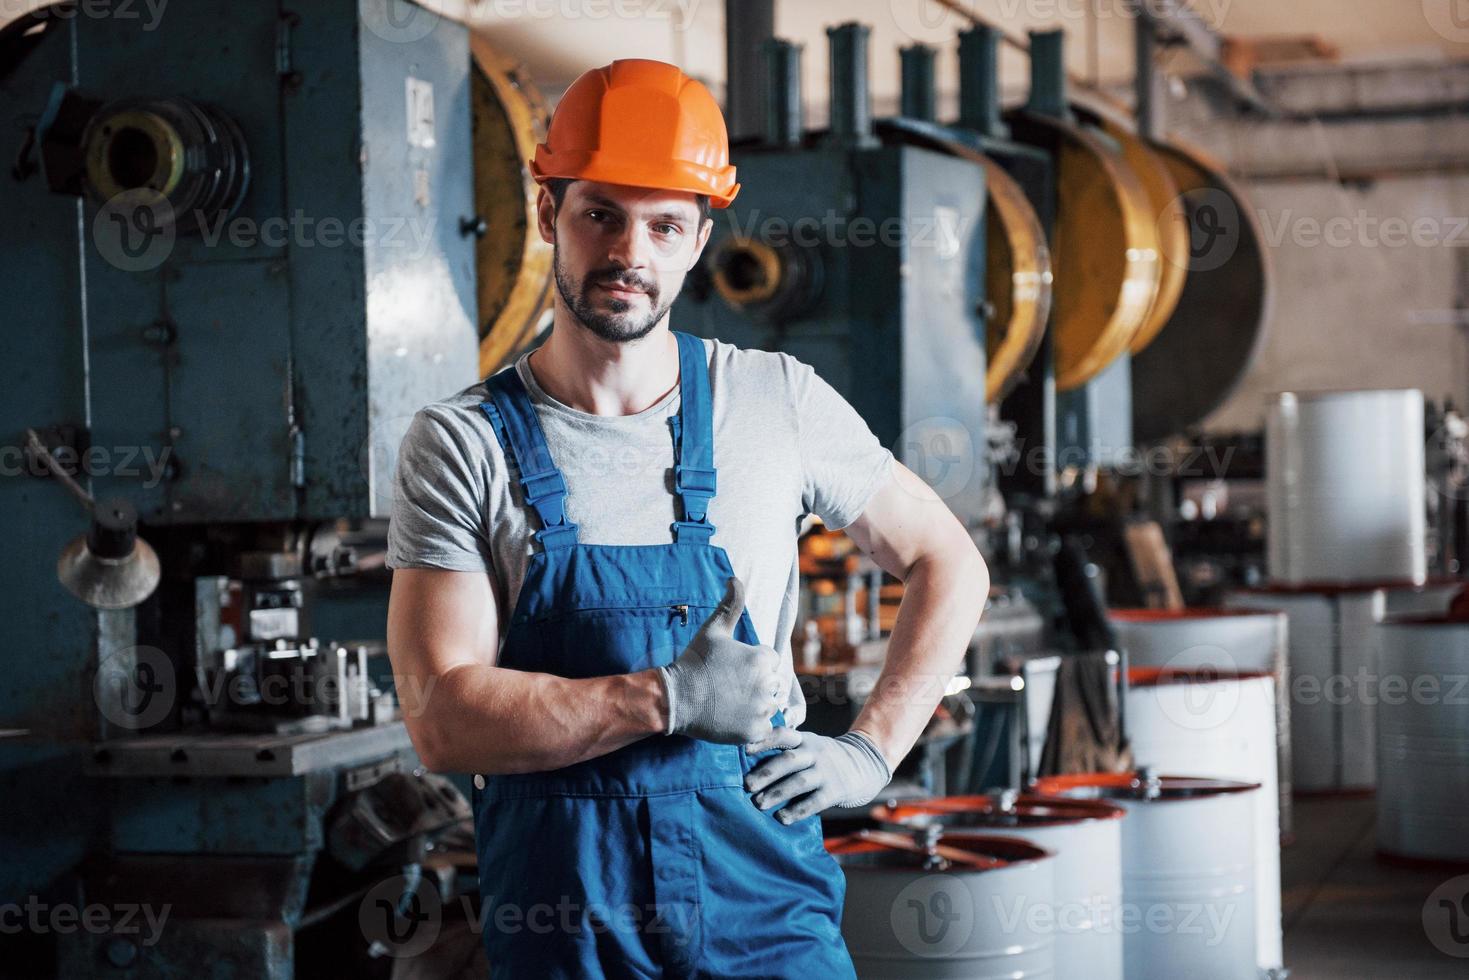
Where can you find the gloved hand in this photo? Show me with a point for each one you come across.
(720, 689)
(816, 771)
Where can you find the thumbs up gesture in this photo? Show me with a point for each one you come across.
(720, 689)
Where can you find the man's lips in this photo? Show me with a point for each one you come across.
(617, 289)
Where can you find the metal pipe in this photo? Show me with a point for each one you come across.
(919, 99)
(784, 121)
(979, 81)
(1048, 74)
(1150, 102)
(748, 24)
(851, 93)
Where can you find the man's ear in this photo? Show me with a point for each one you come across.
(546, 215)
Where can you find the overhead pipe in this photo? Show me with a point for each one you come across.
(784, 118)
(850, 86)
(979, 81)
(748, 25)
(919, 100)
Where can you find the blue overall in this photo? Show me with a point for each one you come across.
(650, 861)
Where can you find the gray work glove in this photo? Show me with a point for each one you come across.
(816, 771)
(720, 689)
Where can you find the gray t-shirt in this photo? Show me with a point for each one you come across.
(785, 445)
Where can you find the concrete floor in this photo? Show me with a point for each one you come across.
(1349, 915)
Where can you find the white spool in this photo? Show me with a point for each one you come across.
(1345, 483)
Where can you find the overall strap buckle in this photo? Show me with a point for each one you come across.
(696, 485)
(691, 532)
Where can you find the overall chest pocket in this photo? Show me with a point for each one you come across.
(595, 641)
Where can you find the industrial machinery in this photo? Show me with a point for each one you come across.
(226, 302)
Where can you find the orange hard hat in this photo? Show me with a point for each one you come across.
(643, 123)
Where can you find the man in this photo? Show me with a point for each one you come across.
(580, 594)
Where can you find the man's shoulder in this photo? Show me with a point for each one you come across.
(752, 370)
(456, 420)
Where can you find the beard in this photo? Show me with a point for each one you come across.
(616, 321)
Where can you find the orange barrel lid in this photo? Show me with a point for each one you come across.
(1003, 809)
(1140, 785)
(888, 850)
(1158, 676)
(1178, 615)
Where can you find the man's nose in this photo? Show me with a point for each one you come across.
(629, 247)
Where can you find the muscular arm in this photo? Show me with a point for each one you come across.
(913, 536)
(464, 714)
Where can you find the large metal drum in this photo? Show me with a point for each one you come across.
(1423, 739)
(1085, 836)
(1213, 723)
(975, 908)
(1344, 476)
(1188, 890)
(1333, 672)
(1225, 639)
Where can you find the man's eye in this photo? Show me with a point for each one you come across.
(596, 215)
(666, 229)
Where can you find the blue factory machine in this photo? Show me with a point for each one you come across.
(239, 252)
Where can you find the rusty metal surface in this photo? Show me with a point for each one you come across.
(512, 262)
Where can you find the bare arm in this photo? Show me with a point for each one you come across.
(464, 714)
(913, 536)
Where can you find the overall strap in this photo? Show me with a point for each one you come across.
(693, 443)
(514, 420)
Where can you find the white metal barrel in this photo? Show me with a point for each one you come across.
(1225, 639)
(1085, 836)
(1222, 725)
(1332, 651)
(1188, 891)
(1345, 478)
(977, 908)
(1423, 739)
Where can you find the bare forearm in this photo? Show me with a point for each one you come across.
(943, 598)
(484, 719)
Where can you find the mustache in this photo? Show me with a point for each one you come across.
(623, 279)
